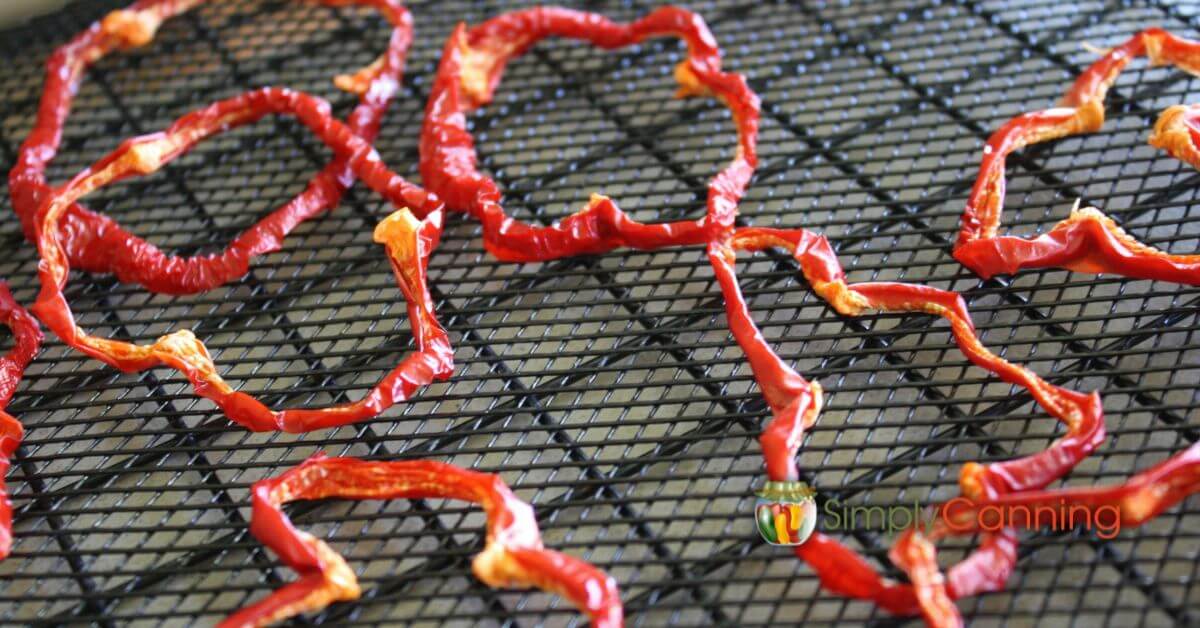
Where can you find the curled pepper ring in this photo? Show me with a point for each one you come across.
(27, 340)
(513, 556)
(795, 404)
(602, 226)
(97, 243)
(1087, 241)
(409, 243)
(473, 61)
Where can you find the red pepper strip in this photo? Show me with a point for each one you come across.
(27, 339)
(918, 558)
(1138, 500)
(1082, 414)
(1087, 241)
(97, 243)
(795, 404)
(409, 243)
(469, 72)
(1134, 502)
(471, 66)
(513, 556)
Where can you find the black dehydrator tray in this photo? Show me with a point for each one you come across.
(607, 390)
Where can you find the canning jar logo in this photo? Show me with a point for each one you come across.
(786, 513)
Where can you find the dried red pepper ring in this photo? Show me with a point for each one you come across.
(513, 556)
(1087, 241)
(27, 339)
(472, 63)
(471, 67)
(795, 404)
(98, 243)
(1126, 505)
(409, 242)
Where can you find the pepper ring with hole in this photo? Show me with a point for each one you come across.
(98, 243)
(409, 242)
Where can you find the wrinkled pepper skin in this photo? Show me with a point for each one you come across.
(1087, 241)
(27, 340)
(470, 70)
(796, 404)
(97, 243)
(473, 61)
(409, 243)
(471, 67)
(513, 556)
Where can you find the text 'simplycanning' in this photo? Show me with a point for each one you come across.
(787, 513)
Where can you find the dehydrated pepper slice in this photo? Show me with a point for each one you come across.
(1128, 505)
(409, 243)
(98, 243)
(472, 63)
(1087, 241)
(448, 162)
(1132, 503)
(795, 404)
(786, 392)
(513, 556)
(27, 339)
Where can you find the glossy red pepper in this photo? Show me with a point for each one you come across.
(513, 556)
(409, 242)
(1087, 241)
(472, 63)
(97, 243)
(27, 339)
